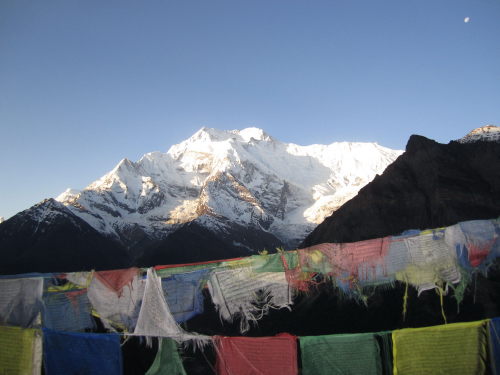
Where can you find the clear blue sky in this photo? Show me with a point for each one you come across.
(85, 83)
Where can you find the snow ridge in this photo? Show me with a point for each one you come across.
(489, 133)
(240, 176)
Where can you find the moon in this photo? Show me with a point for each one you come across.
(466, 19)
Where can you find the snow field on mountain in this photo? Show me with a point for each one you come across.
(245, 177)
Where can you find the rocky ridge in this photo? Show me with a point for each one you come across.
(429, 186)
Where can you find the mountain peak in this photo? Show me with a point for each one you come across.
(215, 135)
(125, 165)
(68, 194)
(253, 133)
(46, 210)
(490, 133)
(208, 134)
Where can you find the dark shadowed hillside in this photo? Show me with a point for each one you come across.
(49, 238)
(429, 186)
(194, 243)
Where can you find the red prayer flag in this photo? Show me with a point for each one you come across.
(115, 280)
(256, 355)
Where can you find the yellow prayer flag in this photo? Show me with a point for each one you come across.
(458, 349)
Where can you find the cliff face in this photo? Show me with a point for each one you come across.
(429, 186)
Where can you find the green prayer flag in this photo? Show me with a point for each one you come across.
(167, 360)
(458, 349)
(169, 271)
(341, 354)
(267, 263)
(20, 351)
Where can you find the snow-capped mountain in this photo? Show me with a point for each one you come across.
(488, 133)
(226, 179)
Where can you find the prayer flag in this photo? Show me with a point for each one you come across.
(68, 353)
(167, 360)
(494, 326)
(341, 354)
(20, 351)
(67, 311)
(183, 294)
(256, 355)
(458, 349)
(20, 301)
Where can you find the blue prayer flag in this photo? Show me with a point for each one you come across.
(68, 353)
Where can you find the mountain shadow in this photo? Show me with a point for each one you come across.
(195, 243)
(49, 238)
(429, 186)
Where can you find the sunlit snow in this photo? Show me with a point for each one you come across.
(244, 176)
